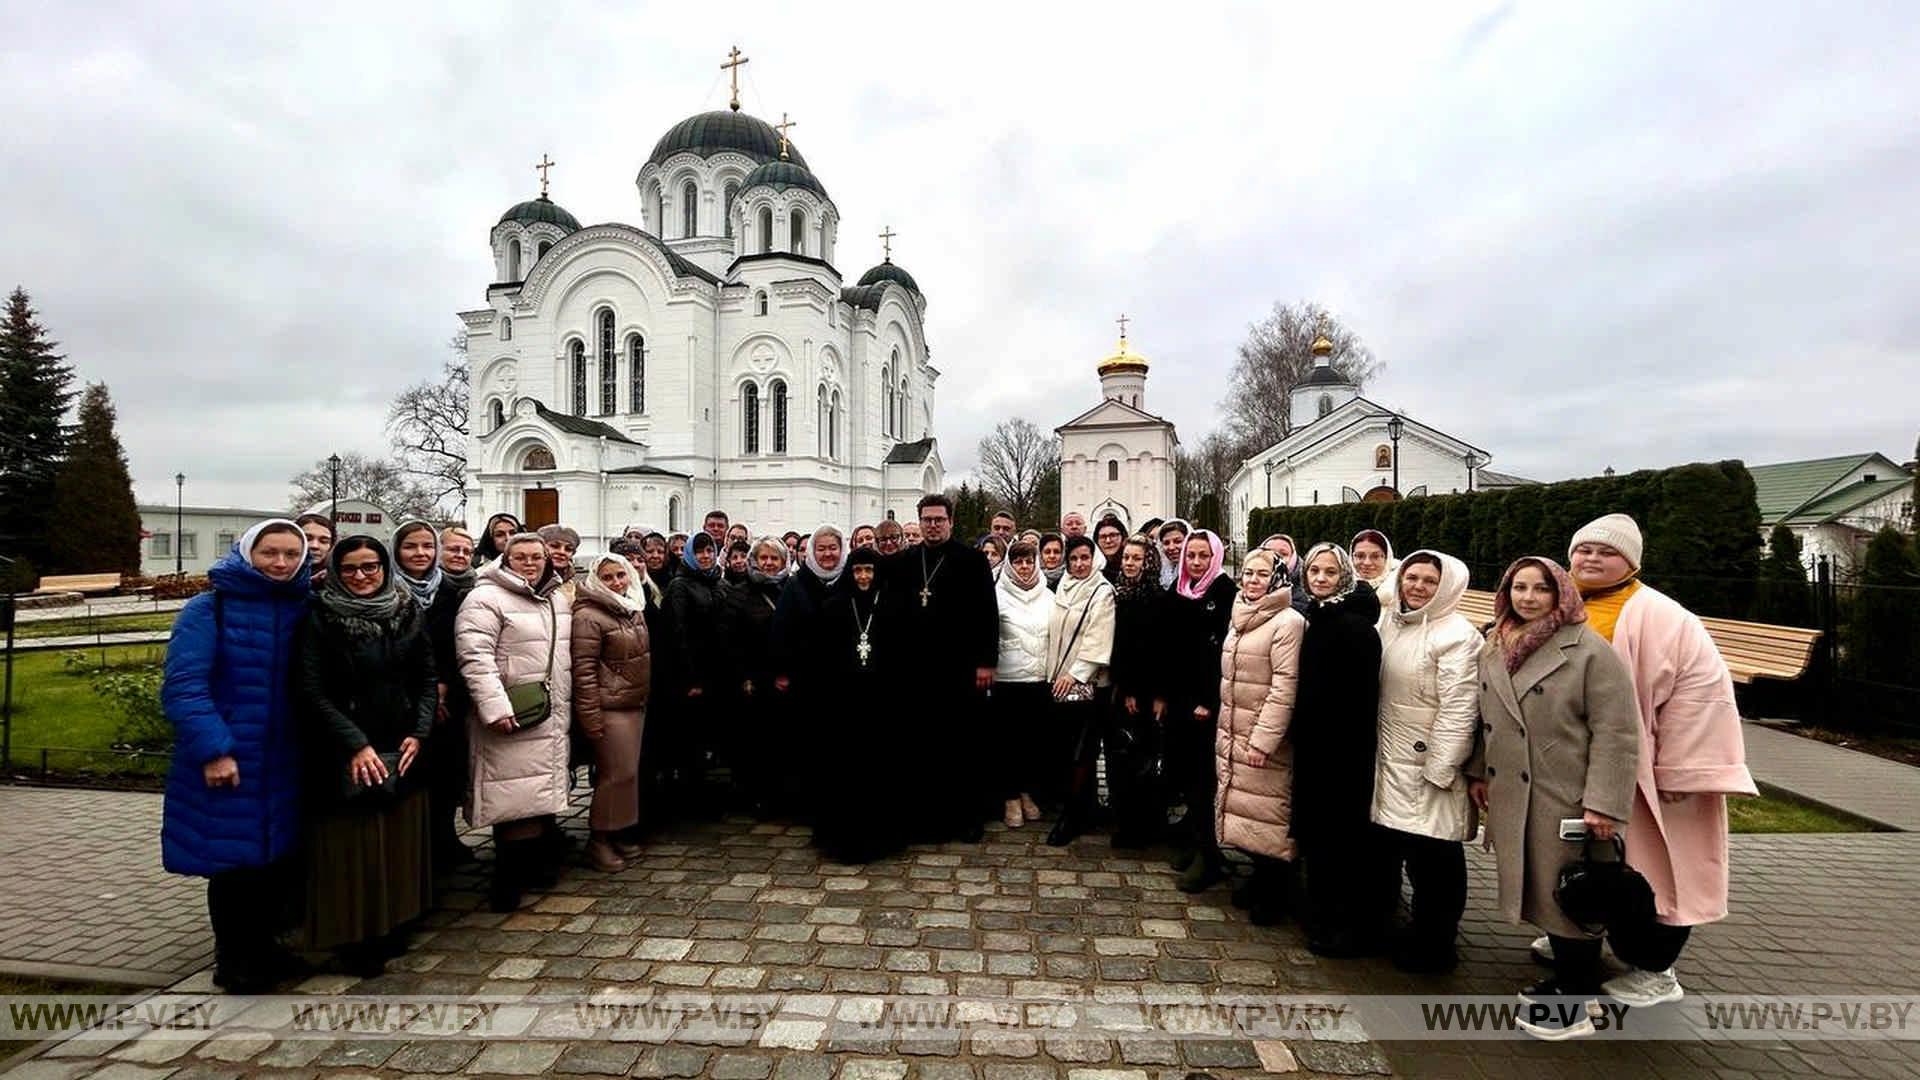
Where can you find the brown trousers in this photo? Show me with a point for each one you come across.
(616, 776)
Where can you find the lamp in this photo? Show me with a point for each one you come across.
(1394, 427)
(333, 462)
(179, 519)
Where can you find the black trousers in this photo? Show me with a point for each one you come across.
(1351, 888)
(1649, 946)
(1134, 785)
(1027, 757)
(1191, 770)
(446, 761)
(1437, 870)
(1082, 725)
(248, 908)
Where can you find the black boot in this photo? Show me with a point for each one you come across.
(1065, 830)
(1206, 870)
(1272, 892)
(509, 875)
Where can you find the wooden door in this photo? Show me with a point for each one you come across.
(543, 508)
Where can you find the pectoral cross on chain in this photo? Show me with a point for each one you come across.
(926, 594)
(864, 650)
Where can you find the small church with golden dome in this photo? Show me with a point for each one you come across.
(711, 356)
(1118, 456)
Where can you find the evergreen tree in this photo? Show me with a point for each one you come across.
(1783, 596)
(1882, 631)
(95, 527)
(35, 390)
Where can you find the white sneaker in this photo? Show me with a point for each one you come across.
(1542, 950)
(1644, 989)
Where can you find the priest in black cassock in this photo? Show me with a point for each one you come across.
(944, 592)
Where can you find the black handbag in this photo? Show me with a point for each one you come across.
(1599, 893)
(352, 791)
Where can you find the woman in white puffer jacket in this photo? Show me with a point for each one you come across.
(1429, 717)
(1022, 699)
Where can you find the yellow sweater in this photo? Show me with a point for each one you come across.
(1603, 605)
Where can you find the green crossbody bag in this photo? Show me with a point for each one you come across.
(533, 701)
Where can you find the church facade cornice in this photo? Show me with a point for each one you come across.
(628, 238)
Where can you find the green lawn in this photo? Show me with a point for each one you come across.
(1770, 814)
(109, 624)
(52, 707)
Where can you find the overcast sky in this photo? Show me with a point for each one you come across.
(1625, 234)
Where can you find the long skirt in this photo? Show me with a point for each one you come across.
(368, 872)
(1027, 755)
(616, 777)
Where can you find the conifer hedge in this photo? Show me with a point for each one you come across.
(1701, 523)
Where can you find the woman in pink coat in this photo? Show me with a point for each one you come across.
(1692, 754)
(1253, 762)
(515, 629)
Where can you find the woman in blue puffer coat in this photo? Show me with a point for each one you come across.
(232, 810)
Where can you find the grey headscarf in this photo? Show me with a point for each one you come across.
(1349, 581)
(421, 589)
(365, 616)
(813, 564)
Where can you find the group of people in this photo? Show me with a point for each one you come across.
(1329, 714)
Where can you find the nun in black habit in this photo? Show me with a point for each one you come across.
(856, 653)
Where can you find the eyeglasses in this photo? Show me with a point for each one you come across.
(526, 560)
(362, 570)
(925, 520)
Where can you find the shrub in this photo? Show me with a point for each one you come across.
(179, 586)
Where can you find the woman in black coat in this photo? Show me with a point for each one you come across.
(447, 765)
(366, 696)
(1139, 705)
(762, 745)
(1198, 612)
(854, 648)
(698, 691)
(1335, 737)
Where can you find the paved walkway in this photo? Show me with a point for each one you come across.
(1884, 792)
(92, 641)
(102, 607)
(739, 907)
(82, 894)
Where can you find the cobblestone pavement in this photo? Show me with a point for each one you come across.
(82, 894)
(738, 907)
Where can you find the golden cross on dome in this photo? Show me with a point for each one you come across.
(886, 242)
(542, 168)
(734, 60)
(782, 127)
(1123, 320)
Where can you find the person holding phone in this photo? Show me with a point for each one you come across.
(1559, 739)
(366, 697)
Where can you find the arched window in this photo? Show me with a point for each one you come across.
(1326, 404)
(541, 251)
(779, 417)
(577, 355)
(496, 416)
(766, 229)
(750, 417)
(886, 401)
(609, 367)
(689, 209)
(513, 259)
(833, 428)
(820, 423)
(506, 328)
(727, 209)
(636, 373)
(900, 403)
(673, 513)
(657, 209)
(760, 302)
(797, 232)
(538, 459)
(1113, 471)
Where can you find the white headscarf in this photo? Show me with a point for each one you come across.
(589, 584)
(813, 564)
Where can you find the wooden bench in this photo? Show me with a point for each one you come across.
(1751, 650)
(79, 583)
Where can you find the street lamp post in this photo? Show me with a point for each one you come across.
(1394, 427)
(334, 513)
(1269, 466)
(179, 522)
(1472, 462)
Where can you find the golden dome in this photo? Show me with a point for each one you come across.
(1322, 347)
(1123, 359)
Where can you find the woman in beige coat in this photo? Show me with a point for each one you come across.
(612, 673)
(512, 630)
(1561, 741)
(1429, 716)
(1253, 763)
(1079, 647)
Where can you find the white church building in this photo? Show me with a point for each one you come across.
(1117, 457)
(711, 356)
(1346, 448)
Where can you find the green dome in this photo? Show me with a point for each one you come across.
(781, 175)
(886, 271)
(712, 132)
(541, 209)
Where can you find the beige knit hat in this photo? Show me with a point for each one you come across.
(1617, 531)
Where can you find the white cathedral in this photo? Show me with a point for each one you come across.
(710, 358)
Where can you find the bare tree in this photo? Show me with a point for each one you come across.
(1016, 461)
(1276, 356)
(428, 427)
(1201, 476)
(379, 481)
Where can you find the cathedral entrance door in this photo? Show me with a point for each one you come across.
(543, 508)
